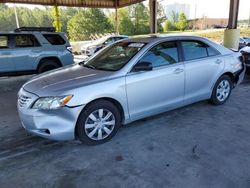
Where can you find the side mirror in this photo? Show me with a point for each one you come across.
(142, 66)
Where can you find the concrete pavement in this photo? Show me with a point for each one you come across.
(200, 145)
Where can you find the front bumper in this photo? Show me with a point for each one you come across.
(52, 124)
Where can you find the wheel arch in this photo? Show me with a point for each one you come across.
(232, 76)
(53, 58)
(113, 101)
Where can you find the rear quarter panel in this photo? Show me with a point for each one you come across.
(58, 51)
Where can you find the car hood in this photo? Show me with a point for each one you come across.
(64, 79)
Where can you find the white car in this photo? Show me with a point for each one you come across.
(92, 47)
(246, 53)
(129, 80)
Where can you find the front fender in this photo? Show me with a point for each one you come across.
(113, 89)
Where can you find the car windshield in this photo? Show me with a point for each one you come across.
(114, 57)
(100, 40)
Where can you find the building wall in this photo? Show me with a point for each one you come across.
(208, 23)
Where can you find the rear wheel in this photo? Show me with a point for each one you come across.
(47, 65)
(98, 122)
(221, 90)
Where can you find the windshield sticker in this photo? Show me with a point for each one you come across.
(137, 45)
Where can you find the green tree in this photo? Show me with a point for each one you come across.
(161, 17)
(182, 22)
(125, 23)
(7, 18)
(168, 26)
(66, 15)
(140, 17)
(174, 17)
(87, 22)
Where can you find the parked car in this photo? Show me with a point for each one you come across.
(244, 41)
(91, 48)
(126, 81)
(33, 50)
(246, 54)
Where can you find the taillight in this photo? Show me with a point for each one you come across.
(70, 49)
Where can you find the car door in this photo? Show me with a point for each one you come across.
(160, 89)
(6, 56)
(27, 49)
(203, 65)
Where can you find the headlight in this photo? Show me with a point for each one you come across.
(47, 103)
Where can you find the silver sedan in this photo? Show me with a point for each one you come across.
(127, 81)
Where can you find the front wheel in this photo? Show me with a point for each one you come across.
(98, 122)
(221, 90)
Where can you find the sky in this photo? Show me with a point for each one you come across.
(212, 8)
(209, 8)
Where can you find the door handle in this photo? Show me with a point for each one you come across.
(218, 61)
(178, 71)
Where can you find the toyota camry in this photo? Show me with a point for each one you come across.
(126, 81)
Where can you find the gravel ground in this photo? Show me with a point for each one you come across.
(200, 145)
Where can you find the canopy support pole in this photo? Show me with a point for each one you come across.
(57, 22)
(153, 18)
(116, 18)
(232, 34)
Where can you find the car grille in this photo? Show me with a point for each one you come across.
(23, 100)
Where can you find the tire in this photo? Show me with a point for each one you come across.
(91, 126)
(222, 90)
(47, 65)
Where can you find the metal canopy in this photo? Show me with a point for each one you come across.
(78, 3)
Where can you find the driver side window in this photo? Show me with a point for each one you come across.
(162, 54)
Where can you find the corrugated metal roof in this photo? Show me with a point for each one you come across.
(78, 3)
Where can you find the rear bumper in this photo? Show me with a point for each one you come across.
(239, 75)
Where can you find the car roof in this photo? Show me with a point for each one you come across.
(29, 32)
(155, 38)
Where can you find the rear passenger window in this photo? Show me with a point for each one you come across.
(54, 39)
(3, 42)
(163, 54)
(194, 50)
(25, 41)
